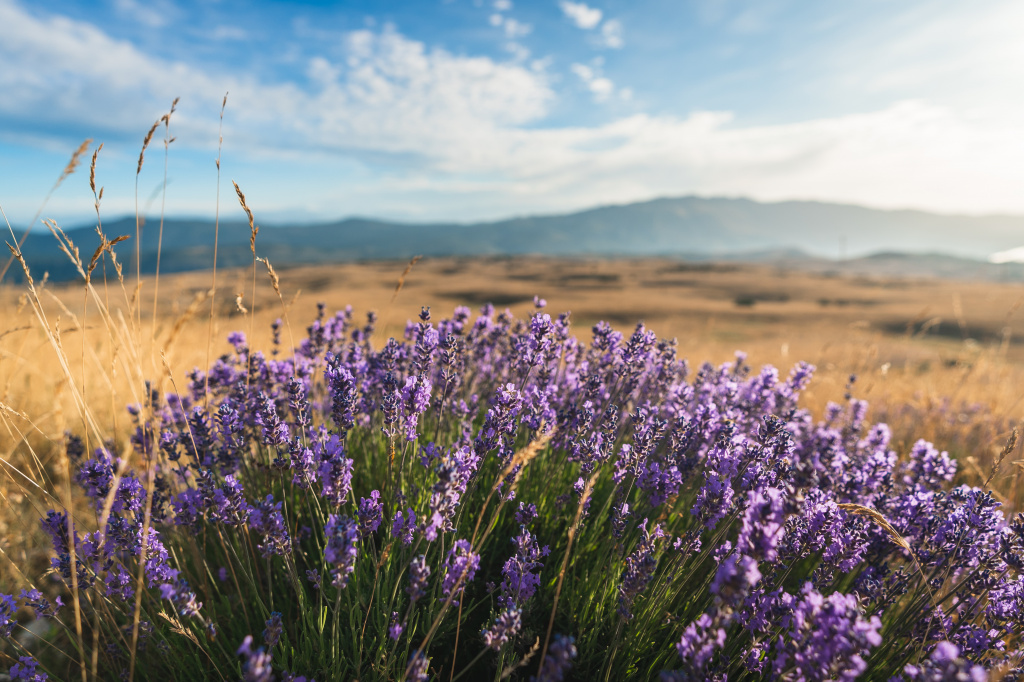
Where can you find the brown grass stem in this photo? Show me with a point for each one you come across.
(216, 237)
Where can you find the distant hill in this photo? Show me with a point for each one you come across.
(687, 227)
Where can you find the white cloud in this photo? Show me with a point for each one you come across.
(1009, 256)
(519, 52)
(228, 33)
(503, 5)
(386, 94)
(516, 29)
(611, 34)
(581, 14)
(149, 14)
(601, 87)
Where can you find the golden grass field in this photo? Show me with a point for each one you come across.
(937, 359)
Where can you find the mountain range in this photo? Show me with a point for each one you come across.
(687, 227)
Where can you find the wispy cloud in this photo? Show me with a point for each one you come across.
(228, 33)
(581, 14)
(611, 34)
(152, 14)
(601, 87)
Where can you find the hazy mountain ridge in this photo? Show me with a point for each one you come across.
(692, 227)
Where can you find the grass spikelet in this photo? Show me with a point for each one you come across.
(1011, 444)
(145, 143)
(73, 163)
(254, 229)
(881, 521)
(401, 278)
(92, 169)
(275, 281)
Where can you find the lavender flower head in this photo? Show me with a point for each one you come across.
(341, 550)
(404, 526)
(699, 641)
(40, 605)
(640, 566)
(735, 576)
(255, 664)
(522, 571)
(945, 663)
(25, 670)
(558, 660)
(8, 609)
(762, 524)
(460, 568)
(418, 669)
(505, 627)
(419, 572)
(826, 636)
(395, 627)
(272, 635)
(370, 513)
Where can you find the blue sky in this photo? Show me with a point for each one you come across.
(479, 109)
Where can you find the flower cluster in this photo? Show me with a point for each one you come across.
(689, 523)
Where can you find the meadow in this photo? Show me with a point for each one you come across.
(506, 468)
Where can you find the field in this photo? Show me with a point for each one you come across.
(939, 359)
(936, 359)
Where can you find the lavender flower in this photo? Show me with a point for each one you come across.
(558, 660)
(272, 635)
(454, 469)
(395, 627)
(341, 550)
(826, 636)
(699, 641)
(342, 385)
(526, 514)
(640, 566)
(41, 607)
(8, 609)
(762, 524)
(735, 576)
(522, 571)
(273, 431)
(459, 569)
(945, 663)
(335, 471)
(25, 670)
(266, 518)
(418, 669)
(184, 600)
(404, 526)
(370, 513)
(418, 574)
(255, 664)
(505, 627)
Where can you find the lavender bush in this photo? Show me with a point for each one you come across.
(490, 498)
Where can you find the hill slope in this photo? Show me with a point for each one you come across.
(693, 227)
